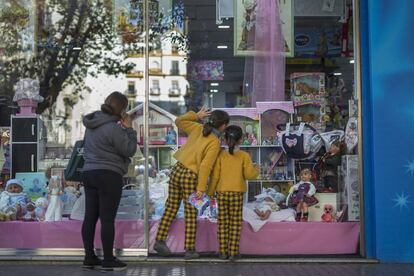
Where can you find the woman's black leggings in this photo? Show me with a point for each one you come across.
(103, 189)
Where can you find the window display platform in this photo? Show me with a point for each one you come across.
(275, 238)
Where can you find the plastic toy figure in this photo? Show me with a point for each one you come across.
(171, 138)
(54, 211)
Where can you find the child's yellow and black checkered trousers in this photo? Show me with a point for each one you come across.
(182, 183)
(230, 216)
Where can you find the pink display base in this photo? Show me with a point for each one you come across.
(275, 238)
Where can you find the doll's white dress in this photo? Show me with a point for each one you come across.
(54, 210)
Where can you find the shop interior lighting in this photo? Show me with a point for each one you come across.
(337, 74)
(352, 61)
(224, 27)
(222, 47)
(214, 84)
(214, 90)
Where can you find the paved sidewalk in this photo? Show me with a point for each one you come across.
(209, 269)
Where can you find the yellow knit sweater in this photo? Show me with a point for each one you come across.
(231, 172)
(199, 153)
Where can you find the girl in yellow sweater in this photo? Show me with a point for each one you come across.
(233, 167)
(195, 161)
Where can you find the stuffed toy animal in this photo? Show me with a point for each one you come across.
(30, 212)
(328, 213)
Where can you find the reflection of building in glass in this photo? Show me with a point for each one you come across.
(167, 74)
(167, 88)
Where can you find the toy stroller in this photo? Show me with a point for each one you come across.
(303, 142)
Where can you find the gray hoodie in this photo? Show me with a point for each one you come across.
(108, 146)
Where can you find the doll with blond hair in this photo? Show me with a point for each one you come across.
(301, 195)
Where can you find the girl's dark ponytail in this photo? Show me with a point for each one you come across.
(232, 134)
(207, 129)
(232, 145)
(216, 120)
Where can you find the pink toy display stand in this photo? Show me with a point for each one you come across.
(275, 238)
(27, 107)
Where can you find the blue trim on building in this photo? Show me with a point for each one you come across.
(366, 103)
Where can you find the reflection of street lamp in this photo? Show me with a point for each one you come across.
(211, 93)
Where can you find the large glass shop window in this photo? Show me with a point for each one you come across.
(284, 71)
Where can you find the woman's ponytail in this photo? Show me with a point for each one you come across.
(115, 104)
(216, 120)
(106, 108)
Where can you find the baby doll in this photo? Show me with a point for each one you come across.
(301, 195)
(13, 201)
(331, 160)
(267, 202)
(54, 210)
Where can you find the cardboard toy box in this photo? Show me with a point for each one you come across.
(349, 187)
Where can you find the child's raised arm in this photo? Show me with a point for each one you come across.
(189, 121)
(249, 170)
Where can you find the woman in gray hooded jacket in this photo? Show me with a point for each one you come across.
(109, 143)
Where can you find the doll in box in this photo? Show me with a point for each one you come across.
(69, 197)
(54, 210)
(13, 201)
(301, 195)
(78, 210)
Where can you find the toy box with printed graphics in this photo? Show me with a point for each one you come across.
(349, 186)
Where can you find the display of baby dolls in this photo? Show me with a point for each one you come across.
(329, 171)
(302, 196)
(266, 203)
(13, 201)
(41, 207)
(54, 210)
